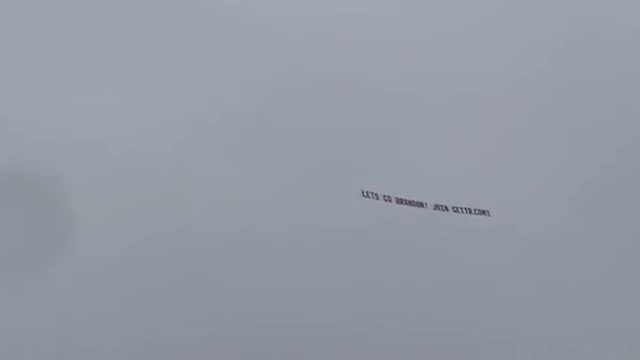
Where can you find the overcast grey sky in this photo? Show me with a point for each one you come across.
(181, 179)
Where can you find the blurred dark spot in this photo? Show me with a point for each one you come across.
(36, 224)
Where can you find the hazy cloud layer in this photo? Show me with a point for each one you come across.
(188, 178)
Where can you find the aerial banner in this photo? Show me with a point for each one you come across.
(419, 204)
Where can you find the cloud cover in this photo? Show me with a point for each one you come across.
(213, 153)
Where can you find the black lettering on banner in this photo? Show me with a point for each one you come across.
(411, 203)
(440, 207)
(424, 205)
(370, 195)
(480, 212)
